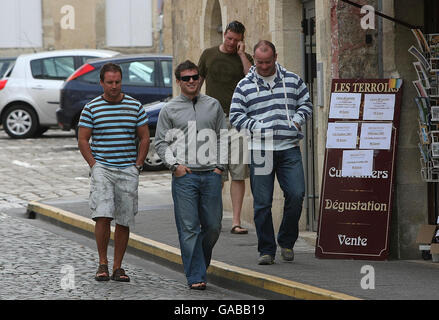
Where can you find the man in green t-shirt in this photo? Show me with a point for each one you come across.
(222, 67)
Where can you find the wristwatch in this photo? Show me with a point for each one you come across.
(174, 167)
(139, 167)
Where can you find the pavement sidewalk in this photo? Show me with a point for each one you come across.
(235, 257)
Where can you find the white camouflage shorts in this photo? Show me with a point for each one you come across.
(114, 193)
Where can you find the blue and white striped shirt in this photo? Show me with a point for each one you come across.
(114, 129)
(258, 106)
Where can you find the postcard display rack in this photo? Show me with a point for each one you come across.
(359, 169)
(427, 102)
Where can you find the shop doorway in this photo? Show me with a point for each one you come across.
(310, 145)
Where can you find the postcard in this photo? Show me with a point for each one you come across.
(423, 134)
(423, 106)
(422, 75)
(423, 153)
(420, 88)
(422, 43)
(435, 149)
(435, 113)
(433, 39)
(415, 52)
(434, 63)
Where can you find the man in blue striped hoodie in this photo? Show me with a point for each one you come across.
(271, 104)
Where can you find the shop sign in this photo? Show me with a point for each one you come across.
(359, 169)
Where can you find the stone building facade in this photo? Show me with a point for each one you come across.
(338, 47)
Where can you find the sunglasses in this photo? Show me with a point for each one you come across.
(195, 77)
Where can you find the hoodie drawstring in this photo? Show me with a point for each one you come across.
(256, 83)
(286, 103)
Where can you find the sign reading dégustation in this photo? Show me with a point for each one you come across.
(359, 169)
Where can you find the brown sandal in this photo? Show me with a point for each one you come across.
(119, 275)
(103, 268)
(243, 230)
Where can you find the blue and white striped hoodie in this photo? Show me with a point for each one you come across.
(256, 106)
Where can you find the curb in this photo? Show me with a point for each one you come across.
(219, 269)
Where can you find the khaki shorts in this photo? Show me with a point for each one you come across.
(238, 156)
(114, 193)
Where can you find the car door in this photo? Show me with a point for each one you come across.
(140, 80)
(44, 83)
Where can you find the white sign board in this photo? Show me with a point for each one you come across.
(379, 106)
(357, 163)
(375, 136)
(345, 105)
(341, 135)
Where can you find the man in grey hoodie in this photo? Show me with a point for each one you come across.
(188, 140)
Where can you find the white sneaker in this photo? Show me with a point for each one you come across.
(265, 259)
(287, 254)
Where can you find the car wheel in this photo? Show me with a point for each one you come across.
(153, 161)
(20, 122)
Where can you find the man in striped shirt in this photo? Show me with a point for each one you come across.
(112, 121)
(272, 104)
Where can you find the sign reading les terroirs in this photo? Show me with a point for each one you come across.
(356, 198)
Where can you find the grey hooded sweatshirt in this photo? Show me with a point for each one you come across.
(188, 133)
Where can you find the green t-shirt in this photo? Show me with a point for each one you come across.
(221, 73)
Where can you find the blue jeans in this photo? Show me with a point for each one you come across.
(198, 210)
(288, 168)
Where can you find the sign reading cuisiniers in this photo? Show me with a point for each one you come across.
(357, 187)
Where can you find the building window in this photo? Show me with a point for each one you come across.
(129, 23)
(20, 24)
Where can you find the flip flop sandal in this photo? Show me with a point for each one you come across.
(201, 286)
(103, 268)
(234, 231)
(119, 275)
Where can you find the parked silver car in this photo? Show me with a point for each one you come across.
(30, 90)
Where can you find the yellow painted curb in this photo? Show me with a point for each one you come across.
(220, 269)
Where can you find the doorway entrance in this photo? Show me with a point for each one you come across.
(310, 146)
